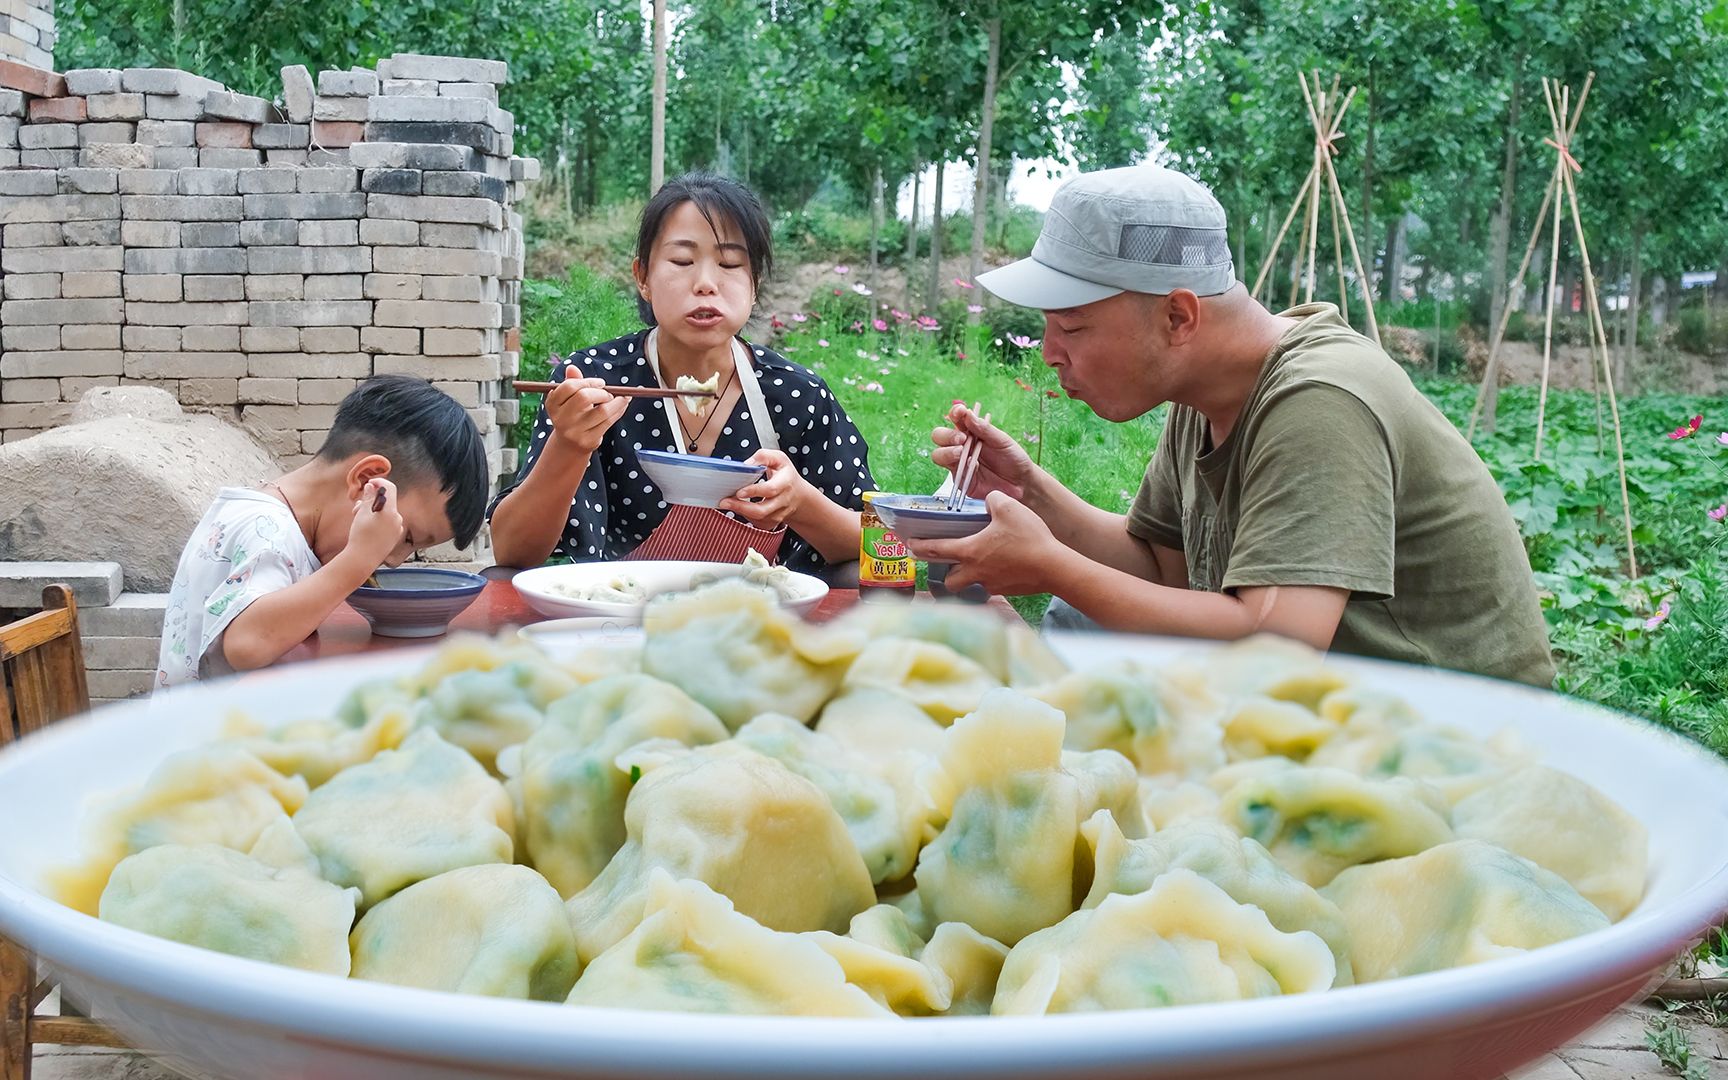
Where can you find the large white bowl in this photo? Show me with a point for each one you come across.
(657, 576)
(219, 1016)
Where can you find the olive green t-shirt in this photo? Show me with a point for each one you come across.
(1340, 473)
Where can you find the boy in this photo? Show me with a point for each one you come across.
(403, 468)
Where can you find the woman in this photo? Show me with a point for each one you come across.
(702, 250)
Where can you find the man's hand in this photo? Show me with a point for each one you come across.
(1003, 465)
(580, 411)
(1014, 555)
(775, 499)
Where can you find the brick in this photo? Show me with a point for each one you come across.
(29, 182)
(341, 109)
(410, 155)
(485, 419)
(93, 583)
(444, 261)
(115, 107)
(224, 134)
(282, 136)
(268, 391)
(444, 234)
(294, 158)
(66, 110)
(88, 81)
(60, 260)
(31, 286)
(185, 314)
(46, 159)
(389, 339)
(222, 157)
(438, 110)
(34, 414)
(444, 69)
(464, 184)
(483, 91)
(184, 365)
(31, 80)
(121, 156)
(132, 614)
(12, 103)
(311, 366)
(358, 82)
(325, 156)
(438, 209)
(119, 685)
(211, 339)
(436, 314)
(278, 232)
(167, 133)
(266, 181)
(166, 81)
(119, 653)
(393, 286)
(323, 391)
(72, 388)
(329, 233)
(411, 87)
(101, 336)
(239, 107)
(270, 338)
(395, 181)
(173, 106)
(481, 137)
(310, 441)
(90, 283)
(446, 342)
(208, 181)
(20, 338)
(337, 134)
(335, 287)
(299, 260)
(182, 208)
(348, 204)
(60, 312)
(48, 136)
(147, 181)
(178, 157)
(308, 313)
(151, 338)
(275, 286)
(59, 208)
(76, 181)
(32, 234)
(391, 233)
(289, 417)
(330, 339)
(297, 93)
(467, 368)
(470, 289)
(186, 260)
(280, 443)
(215, 288)
(218, 391)
(23, 391)
(465, 394)
(158, 288)
(24, 365)
(210, 234)
(91, 233)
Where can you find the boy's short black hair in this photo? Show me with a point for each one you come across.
(427, 436)
(714, 195)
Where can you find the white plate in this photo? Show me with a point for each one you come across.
(220, 1016)
(536, 586)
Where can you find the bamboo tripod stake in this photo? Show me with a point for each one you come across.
(1326, 113)
(1563, 190)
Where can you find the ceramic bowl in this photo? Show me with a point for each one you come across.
(547, 588)
(212, 1015)
(927, 517)
(693, 480)
(416, 601)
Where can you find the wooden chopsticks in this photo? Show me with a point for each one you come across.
(967, 467)
(523, 386)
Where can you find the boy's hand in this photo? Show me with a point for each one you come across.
(375, 533)
(776, 498)
(580, 411)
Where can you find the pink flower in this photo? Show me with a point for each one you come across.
(872, 388)
(842, 269)
(1660, 617)
(775, 322)
(861, 289)
(822, 342)
(799, 316)
(963, 283)
(975, 308)
(1025, 342)
(1719, 513)
(1688, 429)
(959, 356)
(925, 322)
(1722, 439)
(879, 324)
(836, 292)
(857, 328)
(899, 315)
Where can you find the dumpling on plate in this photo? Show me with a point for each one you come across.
(954, 973)
(932, 676)
(1161, 726)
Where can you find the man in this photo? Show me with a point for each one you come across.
(1302, 485)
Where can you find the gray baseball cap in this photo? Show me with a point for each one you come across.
(1141, 229)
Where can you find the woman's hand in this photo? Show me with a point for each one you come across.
(1003, 465)
(776, 499)
(580, 411)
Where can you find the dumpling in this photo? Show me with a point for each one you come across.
(264, 906)
(570, 787)
(1155, 723)
(484, 711)
(405, 816)
(1563, 824)
(692, 951)
(494, 929)
(1031, 661)
(1455, 904)
(317, 749)
(1255, 727)
(1165, 802)
(740, 823)
(735, 650)
(1183, 941)
(1239, 866)
(1317, 821)
(937, 679)
(886, 828)
(979, 636)
(1453, 762)
(883, 954)
(1268, 666)
(218, 794)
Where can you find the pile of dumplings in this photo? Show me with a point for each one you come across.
(912, 811)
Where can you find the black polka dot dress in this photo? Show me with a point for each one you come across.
(617, 506)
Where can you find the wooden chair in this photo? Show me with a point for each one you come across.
(42, 680)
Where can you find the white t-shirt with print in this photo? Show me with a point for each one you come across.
(247, 545)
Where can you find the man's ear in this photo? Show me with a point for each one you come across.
(365, 468)
(1182, 316)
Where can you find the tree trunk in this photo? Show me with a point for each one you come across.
(934, 295)
(657, 132)
(876, 227)
(1368, 248)
(1394, 276)
(1635, 278)
(987, 119)
(1502, 231)
(1660, 295)
(912, 229)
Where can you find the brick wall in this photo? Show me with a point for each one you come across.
(27, 32)
(256, 258)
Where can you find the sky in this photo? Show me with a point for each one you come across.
(1032, 185)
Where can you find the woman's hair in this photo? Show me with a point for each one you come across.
(719, 198)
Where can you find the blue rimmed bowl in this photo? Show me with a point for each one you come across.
(694, 480)
(416, 601)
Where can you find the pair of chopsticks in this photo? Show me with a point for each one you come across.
(525, 387)
(377, 505)
(967, 467)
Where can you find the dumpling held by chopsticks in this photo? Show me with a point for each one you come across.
(703, 397)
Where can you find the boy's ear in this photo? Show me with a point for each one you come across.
(366, 467)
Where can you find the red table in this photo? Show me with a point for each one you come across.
(499, 607)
